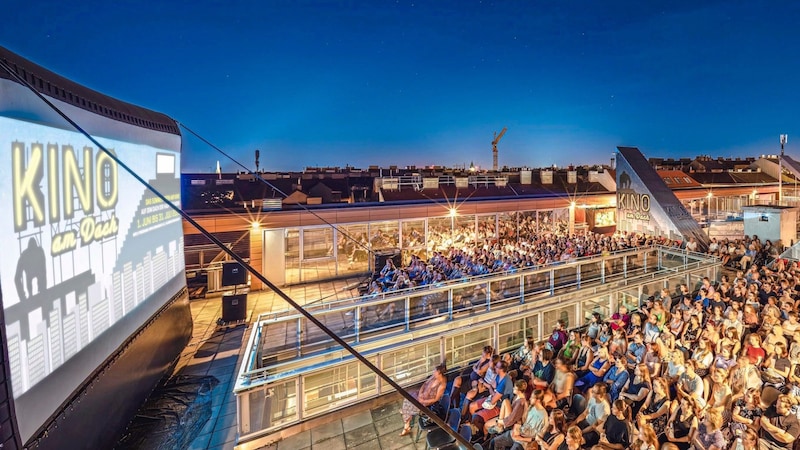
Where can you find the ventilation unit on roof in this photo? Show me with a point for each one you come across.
(390, 183)
(430, 183)
(271, 204)
(572, 177)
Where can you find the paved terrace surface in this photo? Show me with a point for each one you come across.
(215, 350)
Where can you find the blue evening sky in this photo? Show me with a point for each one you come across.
(324, 83)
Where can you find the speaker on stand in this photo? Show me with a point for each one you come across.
(234, 305)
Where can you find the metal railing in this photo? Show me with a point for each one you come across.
(432, 322)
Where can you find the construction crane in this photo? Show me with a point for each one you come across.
(497, 138)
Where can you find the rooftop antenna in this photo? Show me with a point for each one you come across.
(258, 153)
(497, 138)
(784, 140)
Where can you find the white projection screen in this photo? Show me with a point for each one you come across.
(88, 253)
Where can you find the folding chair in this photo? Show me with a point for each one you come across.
(577, 407)
(439, 438)
(425, 425)
(465, 432)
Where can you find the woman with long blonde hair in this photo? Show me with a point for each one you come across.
(646, 438)
(574, 438)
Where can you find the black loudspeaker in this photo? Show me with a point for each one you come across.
(233, 274)
(382, 256)
(234, 307)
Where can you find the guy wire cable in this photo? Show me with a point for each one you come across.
(258, 176)
(436, 419)
(275, 188)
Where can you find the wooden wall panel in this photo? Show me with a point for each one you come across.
(256, 256)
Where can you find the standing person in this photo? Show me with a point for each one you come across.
(779, 430)
(429, 394)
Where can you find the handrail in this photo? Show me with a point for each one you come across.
(255, 375)
(250, 373)
(468, 279)
(393, 296)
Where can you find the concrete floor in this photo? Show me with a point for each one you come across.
(215, 351)
(376, 428)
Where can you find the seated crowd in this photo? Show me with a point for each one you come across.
(469, 258)
(713, 369)
(741, 253)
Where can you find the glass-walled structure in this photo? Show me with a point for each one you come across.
(719, 204)
(292, 371)
(321, 252)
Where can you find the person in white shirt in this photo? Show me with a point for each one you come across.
(597, 410)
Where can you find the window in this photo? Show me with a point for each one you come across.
(511, 335)
(667, 180)
(463, 348)
(318, 243)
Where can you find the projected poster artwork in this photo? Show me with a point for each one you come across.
(83, 243)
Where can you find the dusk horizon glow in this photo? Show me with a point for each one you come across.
(336, 83)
